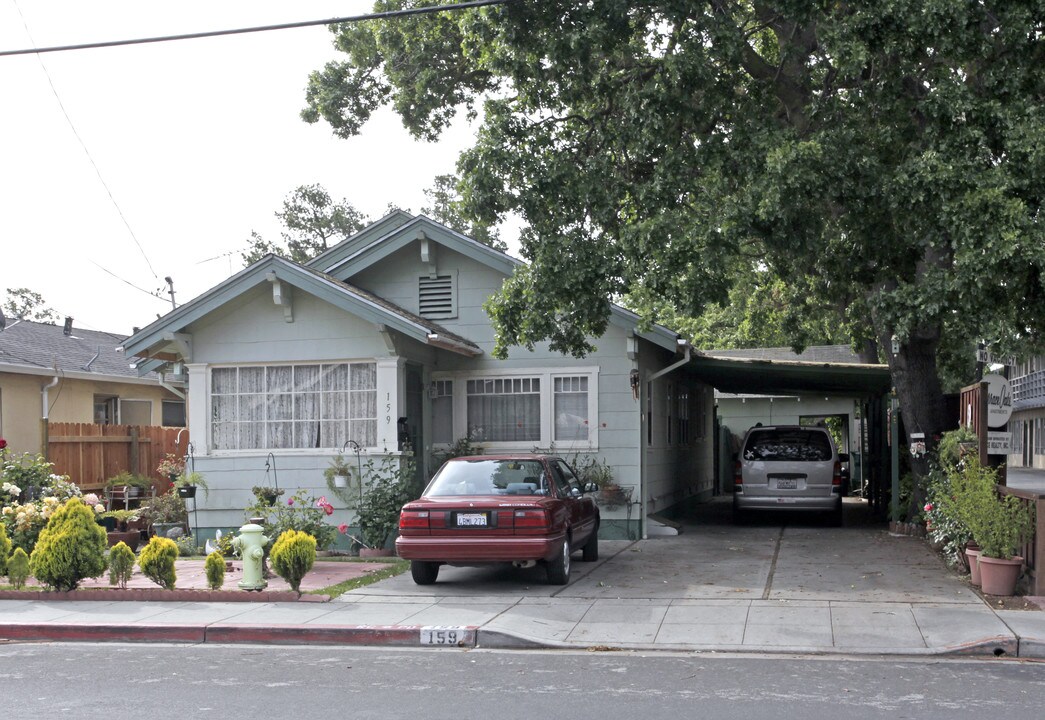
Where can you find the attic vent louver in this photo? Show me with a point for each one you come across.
(437, 297)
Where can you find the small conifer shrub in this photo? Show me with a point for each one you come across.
(121, 564)
(215, 569)
(70, 549)
(293, 556)
(157, 561)
(18, 568)
(5, 549)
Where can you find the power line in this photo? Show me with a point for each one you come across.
(262, 28)
(76, 134)
(155, 294)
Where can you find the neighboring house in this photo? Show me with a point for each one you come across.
(1027, 423)
(738, 412)
(383, 340)
(63, 373)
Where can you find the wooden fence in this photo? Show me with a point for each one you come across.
(1034, 551)
(91, 454)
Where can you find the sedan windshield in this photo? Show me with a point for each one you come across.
(489, 477)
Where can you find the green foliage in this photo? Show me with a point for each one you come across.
(166, 508)
(28, 305)
(593, 470)
(157, 561)
(302, 512)
(215, 569)
(130, 480)
(293, 556)
(18, 568)
(999, 524)
(312, 222)
(187, 546)
(943, 524)
(952, 447)
(121, 564)
(191, 479)
(387, 488)
(5, 549)
(448, 208)
(29, 494)
(71, 548)
(880, 157)
(462, 447)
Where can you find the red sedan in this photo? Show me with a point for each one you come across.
(522, 509)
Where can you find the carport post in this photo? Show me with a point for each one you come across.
(894, 457)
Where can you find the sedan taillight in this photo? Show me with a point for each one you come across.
(531, 519)
(413, 520)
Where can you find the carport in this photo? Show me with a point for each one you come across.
(870, 385)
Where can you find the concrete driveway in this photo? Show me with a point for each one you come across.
(772, 558)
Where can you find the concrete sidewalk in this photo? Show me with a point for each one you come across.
(800, 588)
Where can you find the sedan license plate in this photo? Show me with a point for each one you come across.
(787, 484)
(471, 520)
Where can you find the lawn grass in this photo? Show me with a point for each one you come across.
(397, 566)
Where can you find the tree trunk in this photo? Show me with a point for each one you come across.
(918, 390)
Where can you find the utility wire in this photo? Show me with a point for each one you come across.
(156, 294)
(87, 152)
(262, 28)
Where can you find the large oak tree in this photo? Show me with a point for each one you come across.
(887, 154)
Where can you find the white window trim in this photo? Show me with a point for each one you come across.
(547, 376)
(382, 442)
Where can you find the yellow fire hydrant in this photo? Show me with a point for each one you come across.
(251, 543)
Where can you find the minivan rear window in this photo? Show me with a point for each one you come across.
(776, 445)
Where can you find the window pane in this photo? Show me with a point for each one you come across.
(364, 376)
(306, 377)
(571, 408)
(223, 381)
(279, 379)
(251, 379)
(443, 419)
(334, 377)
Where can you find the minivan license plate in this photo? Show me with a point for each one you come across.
(787, 484)
(471, 519)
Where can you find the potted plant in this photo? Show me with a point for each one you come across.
(597, 477)
(266, 494)
(1000, 525)
(171, 466)
(186, 483)
(338, 473)
(125, 529)
(127, 485)
(166, 512)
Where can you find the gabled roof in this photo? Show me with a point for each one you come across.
(390, 234)
(151, 341)
(39, 348)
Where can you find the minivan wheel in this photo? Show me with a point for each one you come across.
(559, 568)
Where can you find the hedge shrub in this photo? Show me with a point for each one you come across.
(293, 556)
(5, 549)
(157, 561)
(70, 549)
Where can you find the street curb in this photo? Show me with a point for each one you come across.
(42, 632)
(385, 635)
(159, 594)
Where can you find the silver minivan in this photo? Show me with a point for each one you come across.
(789, 467)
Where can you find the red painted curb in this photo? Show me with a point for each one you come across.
(391, 635)
(104, 633)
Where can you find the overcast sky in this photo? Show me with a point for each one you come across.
(197, 141)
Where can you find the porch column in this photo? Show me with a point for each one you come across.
(196, 400)
(391, 401)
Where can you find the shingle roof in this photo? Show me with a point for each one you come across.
(814, 353)
(44, 346)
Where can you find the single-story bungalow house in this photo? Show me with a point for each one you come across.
(381, 342)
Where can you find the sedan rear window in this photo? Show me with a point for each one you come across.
(489, 477)
(776, 445)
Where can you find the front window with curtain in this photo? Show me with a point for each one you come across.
(272, 407)
(505, 409)
(571, 408)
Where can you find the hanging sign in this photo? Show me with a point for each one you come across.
(999, 400)
(999, 443)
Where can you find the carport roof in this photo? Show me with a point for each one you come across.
(790, 377)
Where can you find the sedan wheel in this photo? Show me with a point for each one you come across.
(423, 572)
(591, 548)
(559, 568)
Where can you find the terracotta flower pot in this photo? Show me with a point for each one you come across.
(974, 566)
(375, 552)
(999, 576)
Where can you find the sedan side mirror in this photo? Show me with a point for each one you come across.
(591, 487)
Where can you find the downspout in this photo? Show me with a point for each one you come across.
(644, 505)
(44, 413)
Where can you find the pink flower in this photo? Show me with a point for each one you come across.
(290, 501)
(325, 506)
(343, 528)
(3, 443)
(928, 507)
